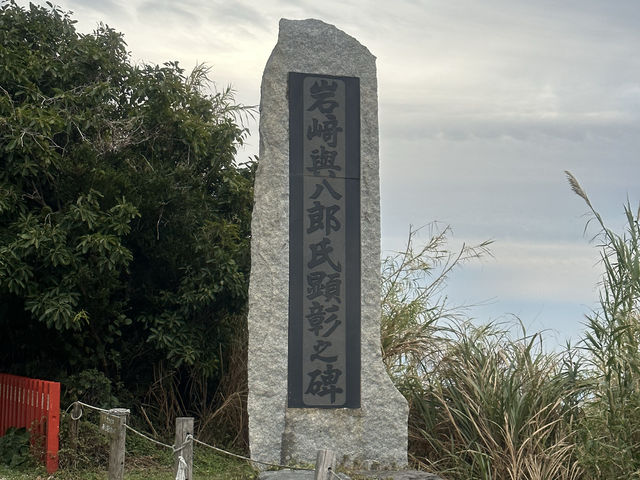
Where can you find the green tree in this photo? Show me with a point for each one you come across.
(124, 220)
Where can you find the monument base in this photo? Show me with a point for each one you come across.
(359, 474)
(360, 437)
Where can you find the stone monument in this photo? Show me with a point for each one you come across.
(316, 377)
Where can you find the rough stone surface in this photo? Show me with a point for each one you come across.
(287, 475)
(396, 475)
(376, 432)
(293, 475)
(369, 475)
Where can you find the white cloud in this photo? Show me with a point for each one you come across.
(483, 105)
(555, 272)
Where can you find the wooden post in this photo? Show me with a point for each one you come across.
(184, 427)
(117, 444)
(76, 413)
(325, 462)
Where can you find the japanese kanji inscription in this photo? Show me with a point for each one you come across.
(324, 248)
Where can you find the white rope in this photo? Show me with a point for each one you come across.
(181, 474)
(69, 408)
(334, 473)
(190, 438)
(173, 448)
(250, 459)
(128, 427)
(91, 406)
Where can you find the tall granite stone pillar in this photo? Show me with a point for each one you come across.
(316, 377)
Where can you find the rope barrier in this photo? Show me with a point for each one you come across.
(90, 406)
(69, 408)
(170, 447)
(334, 474)
(128, 427)
(251, 459)
(189, 438)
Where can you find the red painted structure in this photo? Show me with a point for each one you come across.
(34, 404)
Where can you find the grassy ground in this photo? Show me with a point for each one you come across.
(143, 461)
(206, 464)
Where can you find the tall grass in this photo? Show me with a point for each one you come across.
(494, 407)
(414, 303)
(484, 404)
(609, 443)
(487, 404)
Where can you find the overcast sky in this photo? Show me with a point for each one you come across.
(483, 105)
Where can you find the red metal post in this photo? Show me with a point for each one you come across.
(53, 426)
(22, 403)
(4, 403)
(13, 401)
(31, 402)
(40, 409)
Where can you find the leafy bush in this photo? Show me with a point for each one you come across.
(14, 447)
(124, 219)
(89, 386)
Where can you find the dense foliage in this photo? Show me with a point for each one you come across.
(124, 221)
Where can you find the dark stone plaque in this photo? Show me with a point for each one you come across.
(324, 241)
